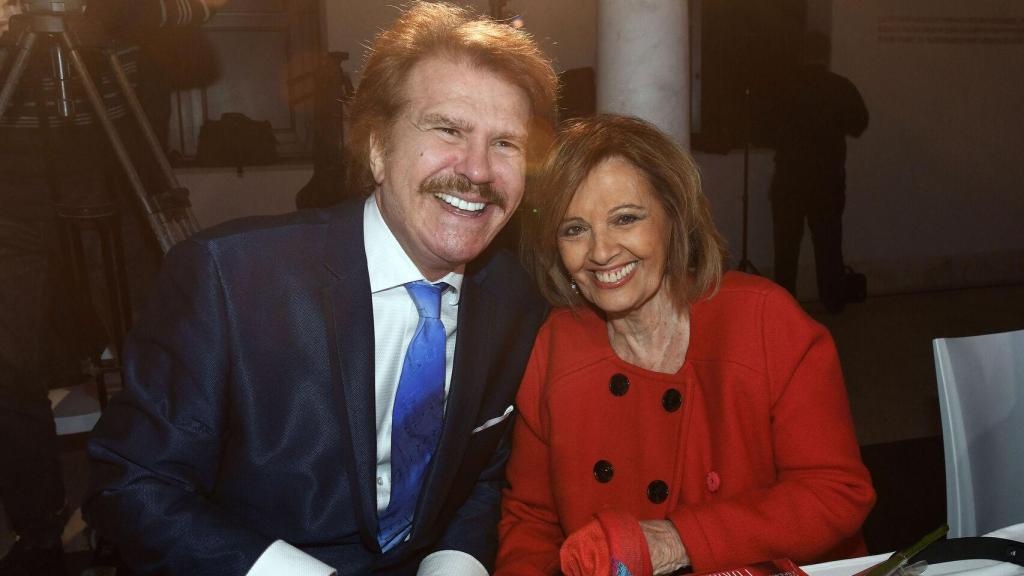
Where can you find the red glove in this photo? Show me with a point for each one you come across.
(612, 544)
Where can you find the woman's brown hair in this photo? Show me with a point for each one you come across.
(696, 253)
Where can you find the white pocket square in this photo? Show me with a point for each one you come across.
(494, 421)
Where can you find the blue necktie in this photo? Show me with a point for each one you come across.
(417, 415)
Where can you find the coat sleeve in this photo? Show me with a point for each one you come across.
(156, 451)
(822, 492)
(530, 535)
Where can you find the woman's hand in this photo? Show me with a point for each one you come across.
(667, 551)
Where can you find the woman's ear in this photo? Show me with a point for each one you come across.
(377, 155)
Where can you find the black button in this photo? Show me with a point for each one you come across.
(657, 491)
(619, 384)
(603, 471)
(671, 400)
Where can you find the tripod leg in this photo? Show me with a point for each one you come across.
(143, 121)
(190, 225)
(156, 219)
(25, 46)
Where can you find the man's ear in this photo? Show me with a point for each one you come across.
(376, 158)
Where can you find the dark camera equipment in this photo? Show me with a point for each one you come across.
(53, 6)
(58, 60)
(65, 29)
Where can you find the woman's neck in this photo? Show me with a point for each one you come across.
(654, 337)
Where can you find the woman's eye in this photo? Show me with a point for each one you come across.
(574, 230)
(624, 219)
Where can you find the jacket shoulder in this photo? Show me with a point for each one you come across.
(292, 243)
(741, 321)
(742, 290)
(254, 228)
(573, 339)
(501, 273)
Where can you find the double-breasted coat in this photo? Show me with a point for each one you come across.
(748, 449)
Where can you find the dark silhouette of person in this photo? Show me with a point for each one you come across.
(809, 126)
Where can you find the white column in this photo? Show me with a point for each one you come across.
(643, 62)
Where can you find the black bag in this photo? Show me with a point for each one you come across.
(236, 140)
(974, 547)
(855, 285)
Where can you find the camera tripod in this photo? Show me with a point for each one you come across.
(168, 211)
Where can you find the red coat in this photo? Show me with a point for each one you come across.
(749, 449)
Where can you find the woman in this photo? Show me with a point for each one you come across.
(670, 416)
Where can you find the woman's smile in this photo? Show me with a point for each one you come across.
(615, 277)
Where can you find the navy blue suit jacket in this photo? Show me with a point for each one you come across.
(248, 409)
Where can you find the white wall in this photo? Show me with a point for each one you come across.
(936, 184)
(220, 194)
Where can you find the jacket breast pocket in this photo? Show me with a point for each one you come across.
(492, 422)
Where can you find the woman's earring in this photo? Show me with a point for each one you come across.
(572, 284)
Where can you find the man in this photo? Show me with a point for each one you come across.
(265, 423)
(816, 115)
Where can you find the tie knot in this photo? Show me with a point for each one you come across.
(427, 297)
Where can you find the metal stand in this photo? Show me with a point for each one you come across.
(168, 211)
(102, 219)
(745, 265)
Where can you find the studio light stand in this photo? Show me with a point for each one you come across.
(745, 265)
(168, 211)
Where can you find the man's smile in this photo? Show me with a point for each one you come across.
(463, 205)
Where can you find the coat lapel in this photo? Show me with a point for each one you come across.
(350, 330)
(477, 309)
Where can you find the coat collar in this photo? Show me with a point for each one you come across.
(349, 312)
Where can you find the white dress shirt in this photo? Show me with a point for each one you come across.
(394, 324)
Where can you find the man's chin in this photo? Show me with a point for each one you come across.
(457, 256)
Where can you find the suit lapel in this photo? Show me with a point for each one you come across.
(350, 328)
(477, 309)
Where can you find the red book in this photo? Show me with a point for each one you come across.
(780, 567)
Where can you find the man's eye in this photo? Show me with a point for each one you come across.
(506, 144)
(448, 131)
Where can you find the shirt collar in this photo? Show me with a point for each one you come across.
(387, 263)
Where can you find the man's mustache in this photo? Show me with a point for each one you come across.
(452, 184)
